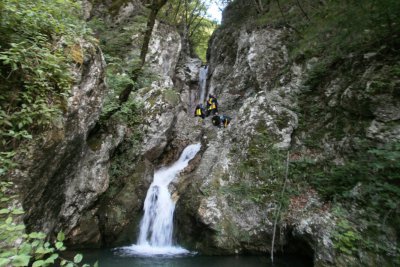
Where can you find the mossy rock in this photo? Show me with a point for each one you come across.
(171, 97)
(115, 5)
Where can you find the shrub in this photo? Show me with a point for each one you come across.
(27, 249)
(40, 41)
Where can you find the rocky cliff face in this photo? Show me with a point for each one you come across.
(132, 161)
(121, 207)
(257, 88)
(232, 197)
(91, 183)
(90, 180)
(61, 175)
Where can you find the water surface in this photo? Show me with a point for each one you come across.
(156, 227)
(113, 258)
(155, 247)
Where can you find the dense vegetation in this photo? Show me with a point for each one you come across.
(41, 42)
(330, 28)
(127, 69)
(190, 18)
(343, 37)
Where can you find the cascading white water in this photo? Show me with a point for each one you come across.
(157, 223)
(202, 83)
(156, 227)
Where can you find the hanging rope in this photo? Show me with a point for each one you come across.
(277, 213)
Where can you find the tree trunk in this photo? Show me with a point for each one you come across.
(258, 6)
(155, 7)
(302, 10)
(147, 35)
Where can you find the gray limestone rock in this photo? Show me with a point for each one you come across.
(62, 174)
(65, 176)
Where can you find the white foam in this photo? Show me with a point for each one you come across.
(151, 251)
(156, 227)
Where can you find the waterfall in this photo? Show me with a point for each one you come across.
(156, 227)
(202, 83)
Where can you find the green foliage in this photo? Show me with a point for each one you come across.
(352, 26)
(115, 5)
(377, 171)
(190, 19)
(365, 230)
(46, 78)
(22, 20)
(201, 36)
(126, 154)
(117, 42)
(346, 240)
(21, 249)
(6, 161)
(327, 29)
(339, 31)
(38, 46)
(317, 73)
(239, 12)
(369, 181)
(130, 112)
(385, 80)
(117, 78)
(263, 171)
(171, 97)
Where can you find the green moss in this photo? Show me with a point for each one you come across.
(317, 74)
(115, 5)
(282, 120)
(155, 95)
(227, 41)
(224, 236)
(261, 171)
(225, 177)
(238, 13)
(126, 154)
(171, 97)
(385, 80)
(145, 90)
(117, 41)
